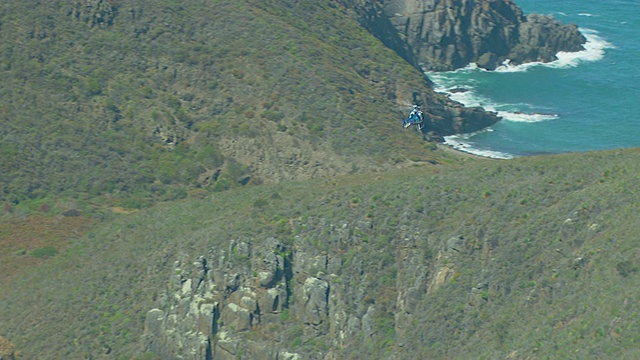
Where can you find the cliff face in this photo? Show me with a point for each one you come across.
(212, 302)
(449, 34)
(299, 299)
(449, 259)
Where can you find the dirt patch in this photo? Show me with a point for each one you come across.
(29, 241)
(7, 349)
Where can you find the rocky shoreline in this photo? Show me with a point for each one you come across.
(444, 35)
(447, 35)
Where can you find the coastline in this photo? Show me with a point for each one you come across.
(462, 85)
(449, 149)
(459, 143)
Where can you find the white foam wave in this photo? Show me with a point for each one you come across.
(594, 50)
(461, 143)
(466, 95)
(585, 14)
(517, 116)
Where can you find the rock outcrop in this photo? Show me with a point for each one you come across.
(211, 302)
(449, 34)
(264, 299)
(333, 291)
(371, 15)
(453, 118)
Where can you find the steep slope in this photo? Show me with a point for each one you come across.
(530, 258)
(130, 102)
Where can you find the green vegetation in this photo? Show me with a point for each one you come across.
(129, 104)
(198, 124)
(558, 272)
(44, 252)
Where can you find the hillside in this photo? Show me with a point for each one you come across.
(128, 103)
(292, 218)
(527, 258)
(113, 103)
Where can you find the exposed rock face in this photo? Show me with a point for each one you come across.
(212, 301)
(261, 299)
(453, 118)
(304, 299)
(449, 34)
(371, 16)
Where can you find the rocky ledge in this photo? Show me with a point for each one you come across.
(449, 34)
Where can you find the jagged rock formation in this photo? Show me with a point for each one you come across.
(371, 16)
(449, 34)
(334, 297)
(259, 299)
(453, 118)
(212, 300)
(358, 288)
(310, 298)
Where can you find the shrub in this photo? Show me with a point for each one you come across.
(273, 115)
(626, 268)
(134, 203)
(260, 203)
(223, 183)
(44, 252)
(316, 129)
(7, 207)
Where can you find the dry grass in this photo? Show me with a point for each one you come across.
(19, 236)
(7, 349)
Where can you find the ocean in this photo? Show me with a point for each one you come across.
(584, 101)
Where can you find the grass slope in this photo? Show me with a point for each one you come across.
(127, 103)
(545, 260)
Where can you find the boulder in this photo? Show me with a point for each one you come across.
(315, 294)
(236, 317)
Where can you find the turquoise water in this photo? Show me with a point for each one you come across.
(584, 101)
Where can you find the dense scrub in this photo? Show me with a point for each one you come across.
(128, 103)
(124, 104)
(531, 257)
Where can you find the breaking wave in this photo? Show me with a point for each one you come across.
(467, 95)
(461, 86)
(461, 143)
(594, 50)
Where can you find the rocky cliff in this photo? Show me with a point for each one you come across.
(387, 282)
(449, 34)
(211, 303)
(326, 294)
